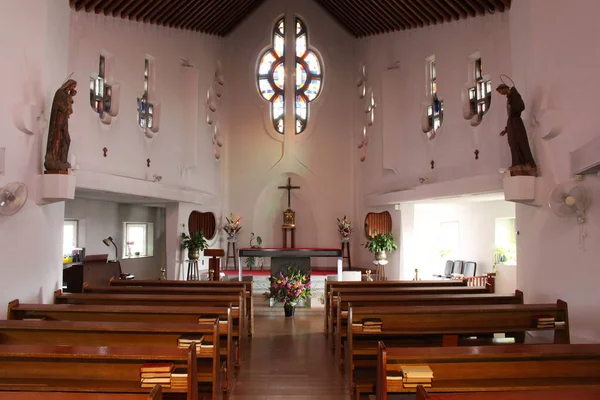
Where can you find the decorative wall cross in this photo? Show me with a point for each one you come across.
(148, 112)
(104, 97)
(289, 189)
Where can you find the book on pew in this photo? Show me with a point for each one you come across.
(205, 349)
(208, 321)
(179, 378)
(372, 322)
(417, 371)
(162, 381)
(184, 341)
(157, 367)
(357, 327)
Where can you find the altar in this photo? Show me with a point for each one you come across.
(281, 258)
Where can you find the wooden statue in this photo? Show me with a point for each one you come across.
(59, 139)
(522, 159)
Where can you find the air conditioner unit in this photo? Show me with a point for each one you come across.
(586, 159)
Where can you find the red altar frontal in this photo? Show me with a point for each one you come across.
(281, 258)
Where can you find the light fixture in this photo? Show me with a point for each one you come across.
(107, 242)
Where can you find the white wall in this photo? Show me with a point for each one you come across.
(398, 152)
(34, 45)
(319, 160)
(552, 67)
(101, 219)
(476, 234)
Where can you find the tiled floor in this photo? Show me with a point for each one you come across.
(288, 358)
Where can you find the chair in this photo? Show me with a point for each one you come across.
(469, 268)
(447, 270)
(457, 267)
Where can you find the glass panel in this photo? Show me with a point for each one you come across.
(313, 89)
(299, 126)
(433, 76)
(266, 89)
(281, 26)
(471, 93)
(265, 63)
(313, 63)
(69, 236)
(300, 45)
(278, 106)
(300, 75)
(478, 68)
(301, 107)
(433, 88)
(279, 76)
(436, 124)
(298, 26)
(489, 86)
(279, 45)
(429, 110)
(280, 126)
(136, 239)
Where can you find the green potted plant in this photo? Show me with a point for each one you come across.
(195, 243)
(253, 261)
(379, 243)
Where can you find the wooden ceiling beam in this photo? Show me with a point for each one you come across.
(506, 3)
(449, 10)
(435, 6)
(400, 12)
(157, 8)
(160, 15)
(363, 18)
(213, 13)
(180, 17)
(233, 17)
(498, 5)
(367, 27)
(379, 13)
(132, 6)
(397, 23)
(408, 23)
(468, 10)
(429, 11)
(476, 6)
(143, 10)
(79, 4)
(175, 13)
(110, 6)
(462, 13)
(141, 6)
(91, 5)
(343, 17)
(408, 6)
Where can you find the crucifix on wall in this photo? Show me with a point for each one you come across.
(289, 216)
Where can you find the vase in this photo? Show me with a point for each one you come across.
(232, 239)
(380, 255)
(289, 310)
(345, 239)
(193, 254)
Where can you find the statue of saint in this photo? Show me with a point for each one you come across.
(59, 139)
(522, 159)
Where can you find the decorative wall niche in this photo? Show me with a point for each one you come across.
(148, 109)
(432, 109)
(380, 222)
(104, 92)
(203, 221)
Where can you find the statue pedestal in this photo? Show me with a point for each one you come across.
(53, 188)
(520, 189)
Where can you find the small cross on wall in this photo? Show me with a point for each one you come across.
(105, 150)
(148, 162)
(477, 154)
(432, 164)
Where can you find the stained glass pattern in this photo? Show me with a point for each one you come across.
(271, 76)
(309, 76)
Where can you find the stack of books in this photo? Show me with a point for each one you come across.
(357, 327)
(156, 373)
(179, 379)
(414, 375)
(206, 321)
(184, 341)
(372, 325)
(545, 321)
(205, 350)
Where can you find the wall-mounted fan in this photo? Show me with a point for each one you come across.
(12, 198)
(569, 200)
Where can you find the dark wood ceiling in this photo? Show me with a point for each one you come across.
(360, 17)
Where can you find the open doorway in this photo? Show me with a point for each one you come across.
(479, 229)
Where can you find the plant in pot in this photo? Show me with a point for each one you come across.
(195, 243)
(379, 243)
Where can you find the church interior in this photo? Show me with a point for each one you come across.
(321, 199)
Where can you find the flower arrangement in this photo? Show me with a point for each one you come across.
(232, 227)
(289, 288)
(344, 227)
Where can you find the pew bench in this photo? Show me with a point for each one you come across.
(156, 394)
(329, 285)
(340, 327)
(87, 369)
(419, 290)
(548, 394)
(448, 326)
(233, 301)
(119, 334)
(248, 286)
(494, 368)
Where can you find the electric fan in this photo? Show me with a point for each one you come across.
(569, 200)
(12, 198)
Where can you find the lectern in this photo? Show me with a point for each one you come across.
(214, 263)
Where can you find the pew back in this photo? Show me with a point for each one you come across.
(547, 394)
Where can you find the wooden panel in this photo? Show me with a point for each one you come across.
(205, 222)
(380, 222)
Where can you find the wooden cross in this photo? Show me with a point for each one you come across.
(289, 189)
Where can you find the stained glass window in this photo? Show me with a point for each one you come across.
(480, 96)
(435, 111)
(271, 76)
(309, 76)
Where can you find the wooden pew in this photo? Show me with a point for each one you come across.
(87, 369)
(435, 326)
(119, 334)
(155, 394)
(592, 393)
(237, 316)
(175, 290)
(247, 285)
(228, 345)
(494, 368)
(329, 285)
(410, 290)
(340, 328)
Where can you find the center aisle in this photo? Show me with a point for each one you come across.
(288, 358)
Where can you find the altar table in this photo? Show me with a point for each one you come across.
(281, 258)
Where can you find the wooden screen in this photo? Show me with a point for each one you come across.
(205, 222)
(381, 222)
